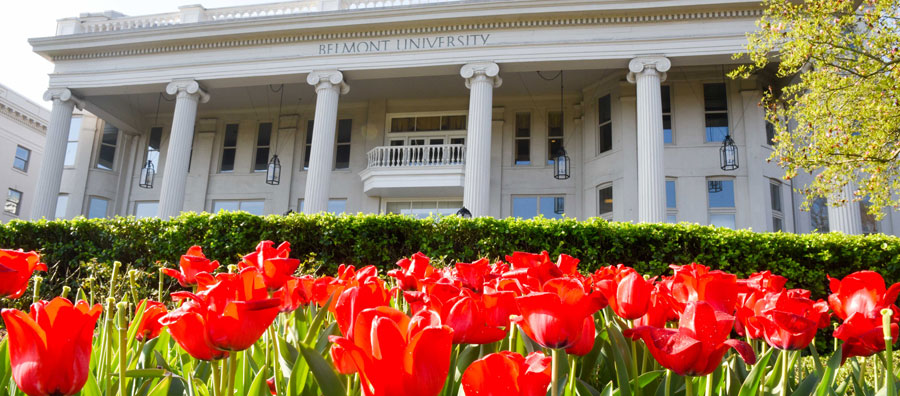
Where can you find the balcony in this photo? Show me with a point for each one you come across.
(415, 171)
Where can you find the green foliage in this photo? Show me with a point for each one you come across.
(74, 248)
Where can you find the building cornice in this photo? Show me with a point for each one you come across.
(22, 116)
(383, 22)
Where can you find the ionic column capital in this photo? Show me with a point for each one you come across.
(324, 79)
(63, 95)
(187, 87)
(475, 71)
(652, 64)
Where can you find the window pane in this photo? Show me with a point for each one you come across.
(228, 160)
(818, 215)
(721, 193)
(523, 151)
(306, 155)
(605, 109)
(23, 153)
(71, 149)
(667, 129)
(397, 207)
(337, 206)
(714, 97)
(432, 123)
(869, 223)
(775, 193)
(553, 207)
(671, 218)
(264, 137)
(554, 149)
(666, 100)
(605, 138)
(309, 131)
(606, 200)
(405, 124)
(345, 129)
(110, 135)
(231, 135)
(555, 123)
(13, 199)
(145, 209)
(106, 157)
(253, 207)
(74, 129)
(670, 194)
(229, 206)
(716, 127)
(97, 208)
(262, 159)
(342, 157)
(524, 207)
(453, 123)
(20, 164)
(62, 202)
(722, 220)
(523, 125)
(777, 224)
(155, 138)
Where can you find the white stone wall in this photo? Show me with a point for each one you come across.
(22, 123)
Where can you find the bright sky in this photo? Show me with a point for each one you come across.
(26, 72)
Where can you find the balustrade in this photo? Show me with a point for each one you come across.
(426, 155)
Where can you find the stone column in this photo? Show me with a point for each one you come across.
(648, 72)
(50, 176)
(188, 95)
(844, 218)
(329, 87)
(481, 79)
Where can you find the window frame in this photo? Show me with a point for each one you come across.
(603, 124)
(776, 187)
(672, 210)
(538, 198)
(338, 143)
(101, 144)
(822, 213)
(139, 203)
(730, 210)
(65, 198)
(667, 89)
(26, 161)
(150, 153)
(551, 156)
(225, 147)
(70, 142)
(17, 203)
(267, 147)
(708, 112)
(517, 138)
(90, 202)
(240, 203)
(608, 216)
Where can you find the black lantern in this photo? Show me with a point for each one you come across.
(728, 154)
(273, 171)
(561, 165)
(464, 213)
(148, 172)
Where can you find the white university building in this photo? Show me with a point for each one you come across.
(418, 107)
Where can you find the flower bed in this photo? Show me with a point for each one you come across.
(525, 325)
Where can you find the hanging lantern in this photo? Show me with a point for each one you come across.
(728, 154)
(464, 213)
(148, 172)
(714, 186)
(273, 171)
(561, 165)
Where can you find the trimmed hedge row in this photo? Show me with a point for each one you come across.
(325, 241)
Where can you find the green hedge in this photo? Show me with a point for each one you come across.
(326, 241)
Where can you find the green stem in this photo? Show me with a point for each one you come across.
(37, 289)
(668, 382)
(350, 385)
(689, 386)
(709, 384)
(634, 366)
(554, 373)
(451, 375)
(162, 281)
(888, 350)
(214, 367)
(784, 373)
(122, 318)
(573, 360)
(232, 372)
(512, 337)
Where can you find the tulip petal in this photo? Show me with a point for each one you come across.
(427, 361)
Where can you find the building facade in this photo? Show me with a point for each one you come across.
(23, 129)
(421, 107)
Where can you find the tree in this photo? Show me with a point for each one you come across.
(834, 101)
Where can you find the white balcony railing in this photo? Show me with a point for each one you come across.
(430, 155)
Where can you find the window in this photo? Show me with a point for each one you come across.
(604, 136)
(770, 133)
(555, 142)
(107, 155)
(342, 151)
(423, 209)
(97, 208)
(428, 123)
(72, 143)
(335, 206)
(869, 222)
(522, 140)
(13, 202)
(720, 194)
(665, 95)
(777, 208)
(671, 203)
(308, 151)
(62, 203)
(229, 148)
(716, 103)
(255, 207)
(605, 200)
(818, 215)
(530, 207)
(146, 209)
(263, 141)
(23, 155)
(153, 146)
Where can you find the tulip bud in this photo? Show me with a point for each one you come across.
(65, 292)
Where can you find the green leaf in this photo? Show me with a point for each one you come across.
(162, 388)
(325, 375)
(317, 322)
(751, 384)
(91, 388)
(834, 362)
(145, 373)
(806, 386)
(621, 355)
(259, 387)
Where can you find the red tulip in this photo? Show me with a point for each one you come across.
(863, 336)
(789, 319)
(508, 374)
(696, 348)
(473, 275)
(188, 327)
(626, 290)
(192, 263)
(273, 263)
(659, 309)
(539, 266)
(370, 293)
(412, 270)
(750, 292)
(271, 384)
(586, 342)
(149, 327)
(861, 292)
(395, 355)
(555, 318)
(347, 276)
(296, 293)
(16, 268)
(696, 282)
(50, 348)
(237, 309)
